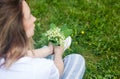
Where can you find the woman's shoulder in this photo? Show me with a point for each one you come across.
(29, 61)
(35, 61)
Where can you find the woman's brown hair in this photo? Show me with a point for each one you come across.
(14, 42)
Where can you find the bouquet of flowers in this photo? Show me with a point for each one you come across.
(56, 35)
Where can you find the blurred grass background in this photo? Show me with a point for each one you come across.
(96, 31)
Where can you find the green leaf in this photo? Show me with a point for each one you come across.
(52, 25)
(66, 31)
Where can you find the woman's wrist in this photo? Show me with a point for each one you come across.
(58, 56)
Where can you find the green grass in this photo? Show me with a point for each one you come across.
(100, 21)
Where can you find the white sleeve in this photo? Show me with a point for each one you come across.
(54, 73)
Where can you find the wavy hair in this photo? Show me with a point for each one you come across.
(14, 42)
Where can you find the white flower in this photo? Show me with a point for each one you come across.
(55, 35)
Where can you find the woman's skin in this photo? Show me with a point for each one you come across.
(58, 58)
(28, 22)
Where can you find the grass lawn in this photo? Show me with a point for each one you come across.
(96, 31)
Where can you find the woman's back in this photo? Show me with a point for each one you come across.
(30, 68)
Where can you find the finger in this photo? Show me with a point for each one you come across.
(50, 43)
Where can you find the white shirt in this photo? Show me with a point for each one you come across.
(30, 68)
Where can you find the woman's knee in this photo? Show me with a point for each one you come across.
(75, 63)
(73, 56)
(76, 57)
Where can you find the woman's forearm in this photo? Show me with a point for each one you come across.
(59, 63)
(41, 52)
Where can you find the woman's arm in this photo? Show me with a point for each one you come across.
(41, 52)
(58, 51)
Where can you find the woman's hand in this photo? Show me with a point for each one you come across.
(58, 50)
(50, 49)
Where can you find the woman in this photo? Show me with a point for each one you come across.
(17, 58)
